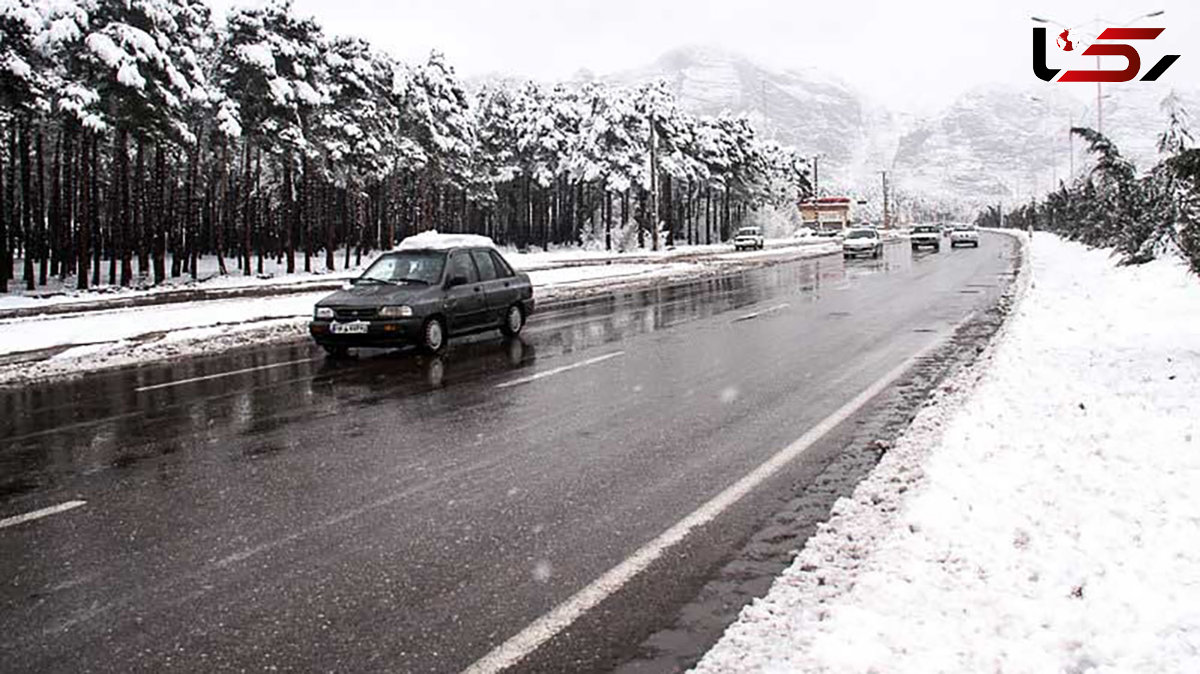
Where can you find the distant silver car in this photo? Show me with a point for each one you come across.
(964, 235)
(749, 237)
(862, 241)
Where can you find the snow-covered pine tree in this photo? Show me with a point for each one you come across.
(270, 73)
(438, 118)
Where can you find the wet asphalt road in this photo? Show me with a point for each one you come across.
(400, 513)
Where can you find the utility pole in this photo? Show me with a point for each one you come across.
(1071, 147)
(653, 184)
(816, 175)
(886, 219)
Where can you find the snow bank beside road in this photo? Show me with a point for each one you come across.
(1045, 519)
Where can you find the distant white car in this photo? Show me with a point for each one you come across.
(964, 235)
(862, 241)
(926, 235)
(749, 237)
(803, 233)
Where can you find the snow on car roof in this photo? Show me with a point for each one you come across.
(433, 240)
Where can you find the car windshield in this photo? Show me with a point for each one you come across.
(861, 234)
(414, 266)
(749, 231)
(925, 230)
(964, 228)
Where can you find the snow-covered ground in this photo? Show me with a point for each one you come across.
(1042, 514)
(44, 346)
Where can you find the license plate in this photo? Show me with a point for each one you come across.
(355, 328)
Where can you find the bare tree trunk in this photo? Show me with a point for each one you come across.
(247, 232)
(8, 205)
(58, 266)
(221, 181)
(5, 253)
(141, 235)
(94, 208)
(607, 219)
(39, 210)
(668, 208)
(258, 211)
(306, 204)
(155, 220)
(83, 221)
(289, 212)
(349, 210)
(191, 221)
(708, 224)
(126, 209)
(70, 216)
(26, 211)
(327, 202)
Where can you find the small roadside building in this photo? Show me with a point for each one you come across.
(826, 213)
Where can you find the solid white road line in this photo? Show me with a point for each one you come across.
(560, 370)
(545, 628)
(38, 514)
(764, 312)
(219, 375)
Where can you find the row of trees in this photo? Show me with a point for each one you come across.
(1141, 216)
(143, 133)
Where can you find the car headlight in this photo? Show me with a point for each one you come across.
(396, 312)
(324, 313)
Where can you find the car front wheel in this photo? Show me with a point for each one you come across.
(514, 320)
(433, 336)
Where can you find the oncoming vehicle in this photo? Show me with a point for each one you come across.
(424, 294)
(748, 237)
(862, 241)
(926, 235)
(964, 235)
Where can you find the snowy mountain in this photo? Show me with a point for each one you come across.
(812, 111)
(993, 143)
(1003, 144)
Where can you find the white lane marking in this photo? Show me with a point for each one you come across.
(560, 370)
(764, 312)
(219, 375)
(38, 514)
(545, 628)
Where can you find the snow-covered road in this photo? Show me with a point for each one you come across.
(1041, 515)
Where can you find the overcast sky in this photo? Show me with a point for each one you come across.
(912, 55)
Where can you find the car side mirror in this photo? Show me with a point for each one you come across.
(457, 281)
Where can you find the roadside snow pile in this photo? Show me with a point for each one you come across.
(1042, 514)
(435, 241)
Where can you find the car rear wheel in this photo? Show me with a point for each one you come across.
(433, 336)
(514, 320)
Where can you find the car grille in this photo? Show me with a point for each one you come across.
(354, 314)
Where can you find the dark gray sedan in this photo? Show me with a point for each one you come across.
(422, 297)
